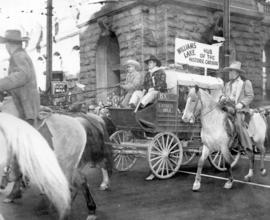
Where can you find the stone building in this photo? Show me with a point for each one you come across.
(135, 29)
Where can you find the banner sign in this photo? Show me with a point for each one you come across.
(196, 54)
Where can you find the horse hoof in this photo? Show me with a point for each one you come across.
(263, 172)
(91, 217)
(247, 178)
(228, 184)
(196, 186)
(104, 187)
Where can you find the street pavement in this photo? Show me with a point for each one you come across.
(131, 197)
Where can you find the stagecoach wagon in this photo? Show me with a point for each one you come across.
(158, 133)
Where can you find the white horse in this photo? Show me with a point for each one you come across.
(215, 136)
(77, 141)
(36, 159)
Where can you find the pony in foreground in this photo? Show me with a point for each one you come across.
(35, 158)
(214, 134)
(76, 142)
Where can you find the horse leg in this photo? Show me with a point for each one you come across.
(197, 182)
(251, 158)
(229, 183)
(105, 180)
(262, 156)
(80, 181)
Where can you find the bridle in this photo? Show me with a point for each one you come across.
(196, 104)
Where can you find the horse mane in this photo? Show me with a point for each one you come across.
(36, 160)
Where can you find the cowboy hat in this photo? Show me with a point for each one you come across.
(13, 36)
(236, 65)
(153, 58)
(134, 63)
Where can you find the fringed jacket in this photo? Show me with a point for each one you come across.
(156, 81)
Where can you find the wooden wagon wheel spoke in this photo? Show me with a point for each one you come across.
(159, 150)
(172, 147)
(155, 158)
(158, 162)
(159, 144)
(156, 153)
(176, 151)
(219, 160)
(216, 156)
(170, 165)
(159, 167)
(168, 146)
(117, 157)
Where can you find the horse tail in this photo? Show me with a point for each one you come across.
(37, 161)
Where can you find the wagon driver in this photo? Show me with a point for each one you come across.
(239, 90)
(134, 80)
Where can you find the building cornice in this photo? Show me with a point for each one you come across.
(206, 4)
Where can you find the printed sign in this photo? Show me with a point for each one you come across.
(59, 88)
(196, 54)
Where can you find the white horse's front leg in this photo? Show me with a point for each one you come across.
(197, 182)
(105, 180)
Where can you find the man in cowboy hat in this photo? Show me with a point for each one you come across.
(134, 80)
(75, 94)
(239, 91)
(154, 82)
(21, 85)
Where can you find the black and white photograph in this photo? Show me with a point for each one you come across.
(134, 109)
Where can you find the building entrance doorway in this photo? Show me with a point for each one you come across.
(107, 65)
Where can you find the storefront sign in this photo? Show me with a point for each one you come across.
(196, 54)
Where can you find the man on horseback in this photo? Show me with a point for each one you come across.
(21, 85)
(239, 91)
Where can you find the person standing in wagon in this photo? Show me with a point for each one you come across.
(134, 81)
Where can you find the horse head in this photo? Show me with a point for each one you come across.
(193, 105)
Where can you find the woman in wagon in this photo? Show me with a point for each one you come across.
(154, 82)
(134, 81)
(239, 90)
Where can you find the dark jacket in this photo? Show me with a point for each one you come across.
(21, 84)
(157, 81)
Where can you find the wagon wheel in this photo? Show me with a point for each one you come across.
(122, 160)
(165, 155)
(217, 160)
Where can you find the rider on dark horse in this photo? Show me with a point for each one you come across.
(238, 91)
(21, 85)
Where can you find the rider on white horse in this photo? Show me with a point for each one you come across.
(239, 90)
(21, 84)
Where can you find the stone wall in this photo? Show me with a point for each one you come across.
(152, 28)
